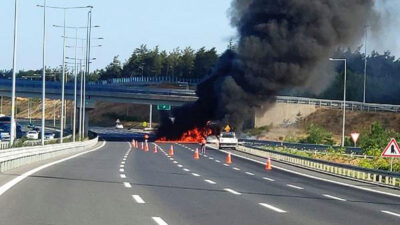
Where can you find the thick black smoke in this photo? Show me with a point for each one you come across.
(282, 44)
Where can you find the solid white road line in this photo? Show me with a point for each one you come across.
(195, 174)
(138, 199)
(232, 191)
(18, 179)
(251, 174)
(187, 170)
(294, 186)
(269, 179)
(235, 168)
(390, 213)
(121, 170)
(127, 185)
(210, 181)
(159, 221)
(336, 198)
(317, 178)
(272, 208)
(123, 175)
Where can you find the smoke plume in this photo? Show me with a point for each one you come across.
(282, 44)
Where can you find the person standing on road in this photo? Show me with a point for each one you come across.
(203, 146)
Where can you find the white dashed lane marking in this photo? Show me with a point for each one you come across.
(138, 199)
(269, 179)
(121, 170)
(235, 168)
(127, 185)
(179, 165)
(272, 208)
(335, 198)
(391, 213)
(232, 191)
(187, 170)
(294, 186)
(123, 175)
(159, 221)
(210, 181)
(195, 174)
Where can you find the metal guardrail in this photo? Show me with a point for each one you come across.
(15, 157)
(350, 105)
(149, 80)
(379, 177)
(300, 146)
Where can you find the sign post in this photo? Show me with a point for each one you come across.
(392, 150)
(355, 137)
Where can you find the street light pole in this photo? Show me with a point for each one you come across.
(88, 42)
(344, 96)
(75, 87)
(365, 63)
(12, 127)
(63, 86)
(44, 73)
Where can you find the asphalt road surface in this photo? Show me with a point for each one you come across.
(118, 184)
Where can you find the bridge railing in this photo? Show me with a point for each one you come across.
(350, 105)
(149, 80)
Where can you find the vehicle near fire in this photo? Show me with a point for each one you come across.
(228, 140)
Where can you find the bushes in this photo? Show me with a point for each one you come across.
(317, 135)
(375, 139)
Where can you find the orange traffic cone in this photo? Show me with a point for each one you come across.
(137, 144)
(142, 146)
(171, 150)
(155, 149)
(268, 165)
(228, 158)
(133, 143)
(146, 147)
(196, 154)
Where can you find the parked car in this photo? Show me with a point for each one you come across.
(32, 135)
(228, 139)
(49, 136)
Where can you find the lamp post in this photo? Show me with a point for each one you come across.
(63, 65)
(12, 126)
(344, 95)
(44, 73)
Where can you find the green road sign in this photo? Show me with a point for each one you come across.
(163, 107)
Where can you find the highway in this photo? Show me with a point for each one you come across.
(118, 184)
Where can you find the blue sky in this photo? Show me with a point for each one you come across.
(125, 24)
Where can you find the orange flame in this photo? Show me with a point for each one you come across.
(195, 135)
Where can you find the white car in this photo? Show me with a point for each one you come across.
(212, 139)
(119, 126)
(228, 140)
(33, 135)
(49, 136)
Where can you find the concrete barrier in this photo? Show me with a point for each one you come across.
(15, 157)
(379, 177)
